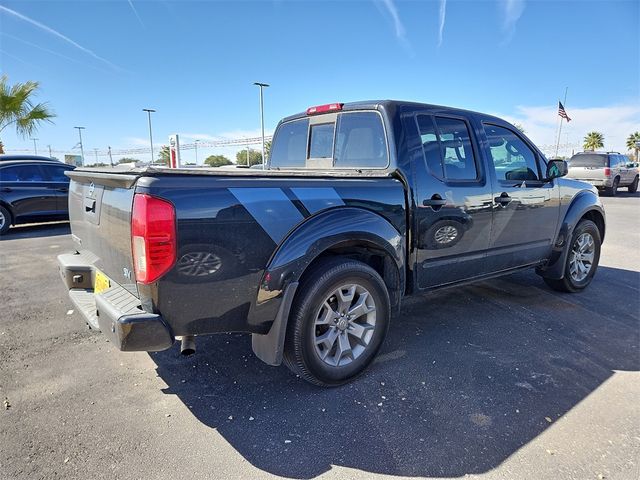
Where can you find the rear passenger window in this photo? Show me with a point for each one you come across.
(360, 141)
(21, 173)
(289, 147)
(447, 148)
(512, 157)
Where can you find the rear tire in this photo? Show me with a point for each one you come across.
(582, 259)
(5, 220)
(613, 189)
(633, 188)
(338, 322)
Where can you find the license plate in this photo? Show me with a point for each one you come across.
(102, 282)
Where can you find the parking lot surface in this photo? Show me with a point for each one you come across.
(502, 379)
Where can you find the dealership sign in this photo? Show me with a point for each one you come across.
(174, 151)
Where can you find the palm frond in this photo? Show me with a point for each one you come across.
(29, 122)
(16, 107)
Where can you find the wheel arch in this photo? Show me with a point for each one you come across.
(350, 232)
(585, 205)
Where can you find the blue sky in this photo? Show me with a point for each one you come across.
(101, 62)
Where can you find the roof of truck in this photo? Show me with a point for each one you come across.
(386, 104)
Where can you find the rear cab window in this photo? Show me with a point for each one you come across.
(345, 140)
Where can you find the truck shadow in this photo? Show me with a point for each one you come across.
(37, 230)
(466, 378)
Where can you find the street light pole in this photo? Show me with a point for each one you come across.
(35, 146)
(81, 147)
(261, 85)
(110, 157)
(197, 151)
(149, 112)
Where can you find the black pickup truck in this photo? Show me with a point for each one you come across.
(360, 204)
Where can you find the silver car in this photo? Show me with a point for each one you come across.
(606, 171)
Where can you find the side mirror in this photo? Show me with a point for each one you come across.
(556, 168)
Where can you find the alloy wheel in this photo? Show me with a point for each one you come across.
(344, 325)
(581, 257)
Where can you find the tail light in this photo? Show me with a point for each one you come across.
(607, 172)
(330, 107)
(153, 237)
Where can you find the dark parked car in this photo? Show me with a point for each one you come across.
(32, 190)
(362, 204)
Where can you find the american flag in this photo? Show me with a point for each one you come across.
(562, 112)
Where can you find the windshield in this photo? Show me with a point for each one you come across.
(588, 160)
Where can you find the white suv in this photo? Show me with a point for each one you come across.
(606, 171)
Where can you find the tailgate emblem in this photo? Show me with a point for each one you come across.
(92, 188)
(127, 273)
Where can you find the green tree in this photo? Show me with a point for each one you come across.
(17, 108)
(519, 127)
(217, 161)
(593, 140)
(255, 157)
(267, 149)
(632, 143)
(163, 156)
(127, 160)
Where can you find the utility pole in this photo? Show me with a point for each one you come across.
(95, 151)
(81, 146)
(49, 147)
(110, 157)
(35, 146)
(197, 151)
(149, 112)
(261, 85)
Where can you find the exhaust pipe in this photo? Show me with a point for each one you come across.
(188, 345)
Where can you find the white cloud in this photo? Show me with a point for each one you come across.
(511, 12)
(441, 18)
(398, 26)
(56, 34)
(616, 122)
(137, 141)
(231, 135)
(135, 11)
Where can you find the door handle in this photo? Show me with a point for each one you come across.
(6, 189)
(503, 200)
(63, 189)
(436, 202)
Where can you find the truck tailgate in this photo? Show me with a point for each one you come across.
(100, 207)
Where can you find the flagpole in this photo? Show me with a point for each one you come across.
(564, 104)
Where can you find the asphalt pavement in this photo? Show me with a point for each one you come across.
(504, 379)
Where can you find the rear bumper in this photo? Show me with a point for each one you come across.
(599, 182)
(115, 312)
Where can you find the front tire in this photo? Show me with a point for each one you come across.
(582, 259)
(633, 188)
(338, 322)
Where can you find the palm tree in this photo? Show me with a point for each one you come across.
(17, 108)
(593, 140)
(632, 143)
